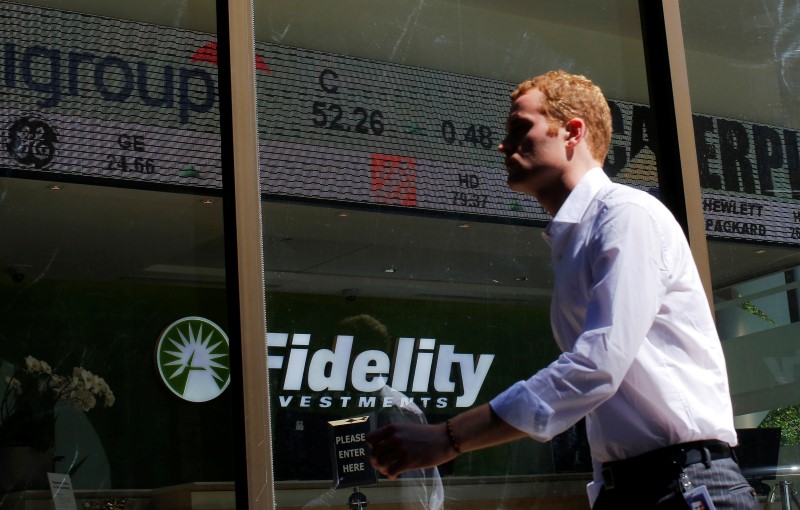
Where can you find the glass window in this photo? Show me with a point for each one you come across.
(113, 351)
(742, 63)
(392, 243)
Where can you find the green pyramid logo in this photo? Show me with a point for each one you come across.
(193, 358)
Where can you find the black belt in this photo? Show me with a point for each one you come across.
(664, 461)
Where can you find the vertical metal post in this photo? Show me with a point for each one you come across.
(786, 495)
(673, 141)
(244, 253)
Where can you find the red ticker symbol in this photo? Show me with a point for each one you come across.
(208, 53)
(394, 180)
(261, 65)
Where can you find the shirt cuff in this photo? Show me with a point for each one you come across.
(522, 409)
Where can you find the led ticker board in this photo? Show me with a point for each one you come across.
(101, 97)
(103, 147)
(341, 128)
(378, 107)
(139, 103)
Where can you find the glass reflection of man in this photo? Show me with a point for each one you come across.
(641, 357)
(420, 488)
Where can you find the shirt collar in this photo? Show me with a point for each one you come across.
(578, 200)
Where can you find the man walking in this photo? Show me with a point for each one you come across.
(641, 359)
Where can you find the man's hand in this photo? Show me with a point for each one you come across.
(400, 447)
(403, 446)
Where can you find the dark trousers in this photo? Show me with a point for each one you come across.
(657, 479)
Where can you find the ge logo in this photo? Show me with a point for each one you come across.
(31, 142)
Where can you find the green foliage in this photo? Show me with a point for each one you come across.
(788, 420)
(751, 308)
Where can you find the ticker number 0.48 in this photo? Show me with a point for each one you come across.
(472, 134)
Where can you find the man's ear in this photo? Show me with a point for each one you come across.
(576, 131)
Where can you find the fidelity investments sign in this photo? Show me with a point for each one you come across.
(422, 372)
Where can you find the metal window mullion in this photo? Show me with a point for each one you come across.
(244, 252)
(674, 141)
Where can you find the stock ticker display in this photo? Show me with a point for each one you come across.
(139, 103)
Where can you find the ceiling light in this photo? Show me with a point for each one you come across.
(55, 187)
(390, 270)
(344, 214)
(207, 201)
(464, 225)
(760, 251)
(521, 278)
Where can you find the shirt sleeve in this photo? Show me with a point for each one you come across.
(627, 282)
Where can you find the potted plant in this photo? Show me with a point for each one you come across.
(27, 418)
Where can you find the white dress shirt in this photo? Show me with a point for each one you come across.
(641, 356)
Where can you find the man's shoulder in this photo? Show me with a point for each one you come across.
(620, 202)
(616, 194)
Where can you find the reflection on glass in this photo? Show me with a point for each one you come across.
(744, 82)
(385, 198)
(421, 488)
(112, 228)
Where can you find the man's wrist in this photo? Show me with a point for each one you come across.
(452, 438)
